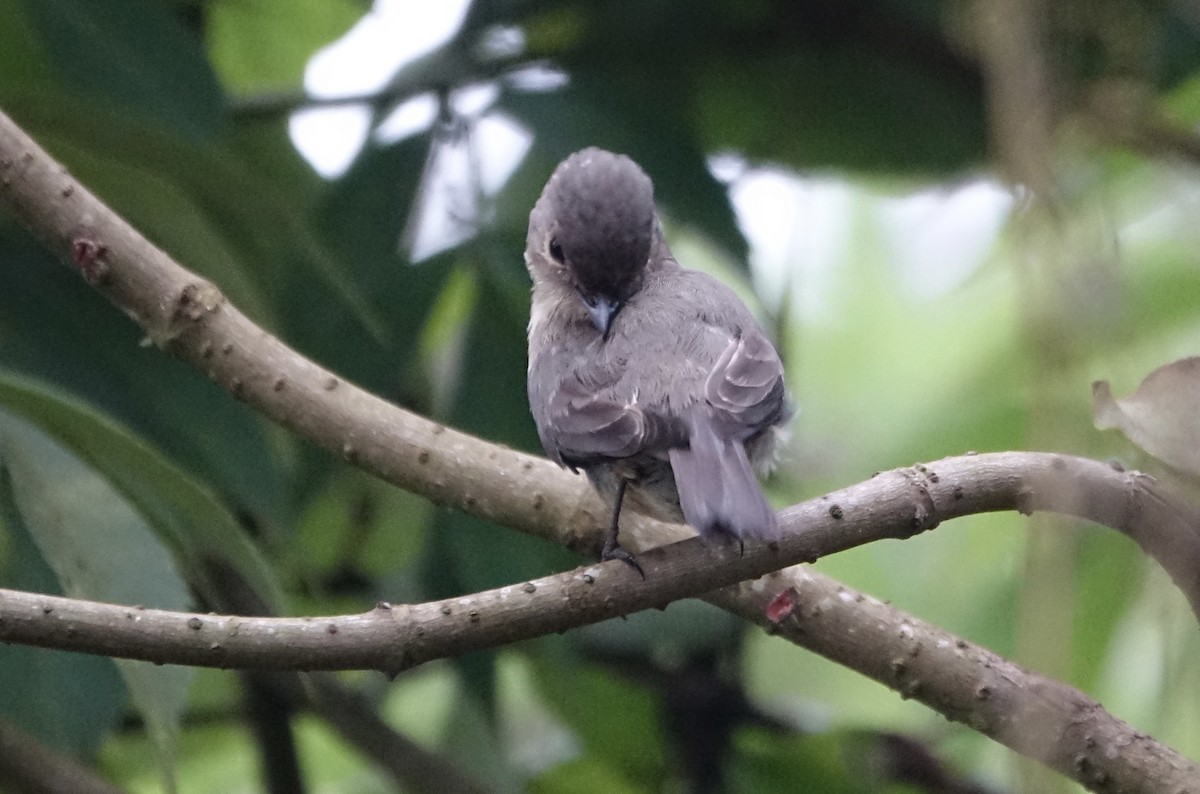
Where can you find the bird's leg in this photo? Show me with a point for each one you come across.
(612, 550)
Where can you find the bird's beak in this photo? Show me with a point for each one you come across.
(602, 310)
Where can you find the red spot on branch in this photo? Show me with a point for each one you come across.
(89, 256)
(782, 605)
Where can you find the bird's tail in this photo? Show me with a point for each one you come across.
(718, 490)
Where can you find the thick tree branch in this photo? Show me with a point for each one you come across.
(191, 318)
(1037, 716)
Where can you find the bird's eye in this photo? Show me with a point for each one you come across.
(556, 251)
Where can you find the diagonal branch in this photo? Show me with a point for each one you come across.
(189, 317)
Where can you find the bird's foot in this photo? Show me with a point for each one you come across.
(612, 551)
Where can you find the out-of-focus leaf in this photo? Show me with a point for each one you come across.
(100, 549)
(1162, 298)
(763, 761)
(68, 700)
(474, 746)
(54, 328)
(263, 44)
(95, 542)
(359, 541)
(362, 217)
(616, 720)
(19, 52)
(266, 143)
(584, 776)
(206, 539)
(494, 367)
(814, 85)
(135, 53)
(832, 763)
(1162, 417)
(249, 237)
(1110, 576)
(266, 224)
(214, 756)
(849, 108)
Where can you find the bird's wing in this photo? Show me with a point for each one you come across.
(592, 418)
(745, 387)
(590, 423)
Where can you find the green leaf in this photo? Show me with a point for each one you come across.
(264, 44)
(583, 776)
(814, 124)
(258, 218)
(470, 739)
(134, 53)
(359, 538)
(56, 329)
(95, 542)
(616, 720)
(183, 222)
(100, 549)
(207, 541)
(1111, 575)
(70, 701)
(20, 56)
(223, 219)
(362, 217)
(855, 87)
(839, 762)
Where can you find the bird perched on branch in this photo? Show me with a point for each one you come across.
(653, 379)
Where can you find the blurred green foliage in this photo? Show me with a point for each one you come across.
(176, 112)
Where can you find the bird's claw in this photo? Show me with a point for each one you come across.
(612, 551)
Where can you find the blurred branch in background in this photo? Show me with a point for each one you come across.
(1065, 260)
(32, 768)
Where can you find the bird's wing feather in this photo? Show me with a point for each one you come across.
(588, 426)
(745, 387)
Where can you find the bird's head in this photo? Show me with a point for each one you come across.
(592, 231)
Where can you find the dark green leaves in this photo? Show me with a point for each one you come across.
(134, 53)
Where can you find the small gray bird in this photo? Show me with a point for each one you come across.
(653, 379)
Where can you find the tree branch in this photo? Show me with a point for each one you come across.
(192, 319)
(392, 638)
(1037, 716)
